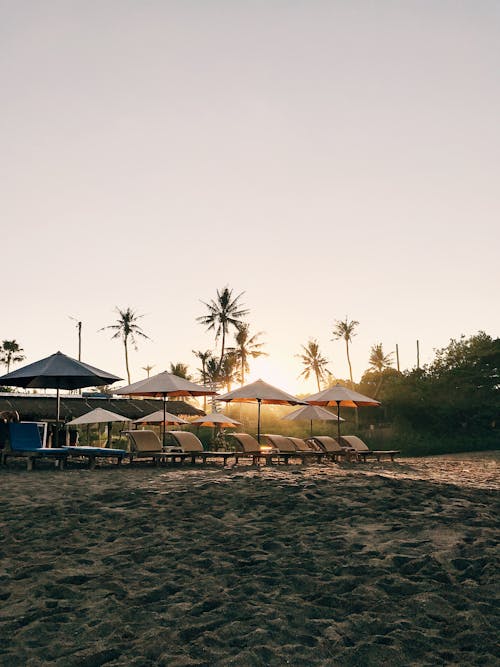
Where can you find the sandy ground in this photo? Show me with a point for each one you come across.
(377, 564)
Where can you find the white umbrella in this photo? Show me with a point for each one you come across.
(260, 392)
(215, 419)
(159, 416)
(98, 416)
(339, 395)
(311, 412)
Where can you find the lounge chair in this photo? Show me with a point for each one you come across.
(288, 449)
(191, 444)
(25, 442)
(362, 451)
(145, 444)
(248, 446)
(331, 447)
(308, 448)
(94, 453)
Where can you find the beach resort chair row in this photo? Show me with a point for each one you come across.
(25, 442)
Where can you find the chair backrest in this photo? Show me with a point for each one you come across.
(187, 440)
(280, 442)
(24, 437)
(246, 442)
(302, 446)
(355, 442)
(144, 441)
(327, 443)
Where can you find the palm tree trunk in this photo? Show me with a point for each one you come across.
(349, 362)
(126, 359)
(223, 347)
(317, 380)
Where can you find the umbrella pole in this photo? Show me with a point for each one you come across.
(338, 420)
(311, 430)
(258, 420)
(164, 418)
(58, 412)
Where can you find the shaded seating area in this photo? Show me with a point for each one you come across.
(145, 444)
(25, 442)
(331, 447)
(290, 448)
(362, 451)
(91, 454)
(191, 445)
(302, 445)
(249, 447)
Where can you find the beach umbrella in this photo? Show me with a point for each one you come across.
(163, 385)
(216, 419)
(311, 412)
(159, 416)
(339, 395)
(260, 392)
(58, 372)
(98, 416)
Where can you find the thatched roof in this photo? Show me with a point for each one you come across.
(43, 408)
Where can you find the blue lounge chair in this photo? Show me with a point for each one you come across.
(25, 442)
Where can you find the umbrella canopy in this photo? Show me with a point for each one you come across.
(58, 372)
(163, 385)
(339, 395)
(311, 412)
(216, 419)
(260, 392)
(98, 416)
(160, 416)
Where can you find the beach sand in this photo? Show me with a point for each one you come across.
(357, 564)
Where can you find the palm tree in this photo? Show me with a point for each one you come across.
(247, 346)
(379, 362)
(148, 368)
(223, 312)
(212, 373)
(181, 370)
(229, 370)
(11, 353)
(313, 362)
(203, 357)
(126, 329)
(345, 329)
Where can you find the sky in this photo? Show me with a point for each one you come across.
(326, 159)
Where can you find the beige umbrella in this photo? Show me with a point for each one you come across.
(215, 419)
(311, 412)
(160, 416)
(339, 395)
(260, 392)
(163, 385)
(98, 416)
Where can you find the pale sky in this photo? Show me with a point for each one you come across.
(327, 158)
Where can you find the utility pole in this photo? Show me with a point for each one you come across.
(79, 327)
(418, 355)
(397, 357)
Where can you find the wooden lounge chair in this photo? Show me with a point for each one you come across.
(308, 448)
(362, 451)
(145, 444)
(333, 449)
(248, 446)
(25, 442)
(288, 449)
(191, 444)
